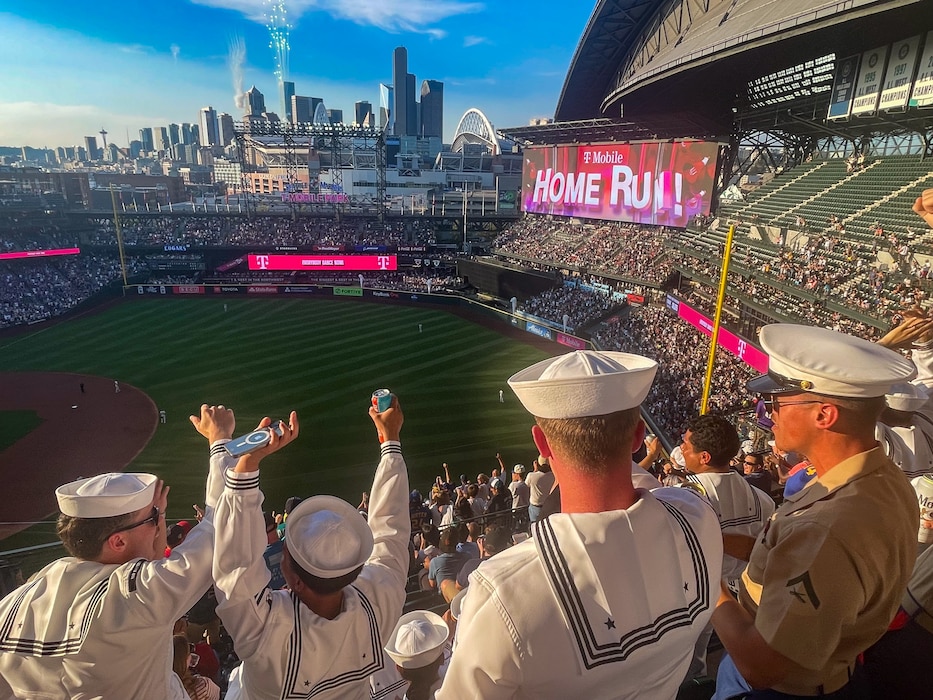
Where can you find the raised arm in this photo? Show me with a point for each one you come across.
(240, 572)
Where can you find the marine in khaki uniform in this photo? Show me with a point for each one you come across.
(826, 576)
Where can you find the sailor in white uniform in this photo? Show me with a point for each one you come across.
(905, 429)
(709, 443)
(631, 575)
(323, 637)
(419, 650)
(98, 624)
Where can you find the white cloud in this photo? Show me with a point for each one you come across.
(393, 16)
(469, 41)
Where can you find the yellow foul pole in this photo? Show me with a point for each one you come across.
(116, 223)
(715, 337)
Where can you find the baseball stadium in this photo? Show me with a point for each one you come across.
(712, 167)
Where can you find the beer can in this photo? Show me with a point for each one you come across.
(924, 488)
(382, 399)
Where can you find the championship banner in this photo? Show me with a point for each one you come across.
(655, 183)
(843, 88)
(323, 262)
(39, 253)
(868, 87)
(897, 77)
(922, 94)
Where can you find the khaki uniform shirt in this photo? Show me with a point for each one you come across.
(80, 630)
(827, 575)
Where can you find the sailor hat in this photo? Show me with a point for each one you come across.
(584, 383)
(906, 397)
(821, 361)
(456, 605)
(327, 537)
(518, 469)
(418, 639)
(106, 495)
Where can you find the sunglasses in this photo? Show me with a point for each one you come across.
(153, 518)
(772, 405)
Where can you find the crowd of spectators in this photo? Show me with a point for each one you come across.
(36, 290)
(580, 307)
(681, 352)
(277, 230)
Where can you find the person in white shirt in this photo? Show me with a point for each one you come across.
(98, 623)
(629, 575)
(322, 638)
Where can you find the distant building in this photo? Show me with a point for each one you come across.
(186, 135)
(363, 113)
(145, 136)
(227, 172)
(386, 105)
(301, 109)
(432, 109)
(335, 116)
(136, 147)
(174, 134)
(225, 127)
(207, 129)
(403, 102)
(540, 121)
(160, 139)
(90, 145)
(285, 98)
(255, 103)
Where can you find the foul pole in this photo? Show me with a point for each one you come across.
(116, 224)
(714, 339)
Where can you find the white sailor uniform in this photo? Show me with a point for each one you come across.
(742, 509)
(628, 593)
(287, 650)
(80, 630)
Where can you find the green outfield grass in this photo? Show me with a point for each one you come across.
(16, 424)
(321, 358)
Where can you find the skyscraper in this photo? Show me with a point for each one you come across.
(363, 113)
(386, 105)
(432, 108)
(186, 136)
(145, 135)
(160, 139)
(207, 121)
(335, 116)
(225, 128)
(255, 102)
(174, 134)
(402, 99)
(90, 143)
(288, 90)
(300, 109)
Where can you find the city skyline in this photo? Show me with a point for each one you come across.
(69, 72)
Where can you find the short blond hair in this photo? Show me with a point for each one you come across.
(592, 443)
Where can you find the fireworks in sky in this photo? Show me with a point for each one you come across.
(279, 28)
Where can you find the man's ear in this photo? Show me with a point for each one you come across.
(639, 437)
(541, 441)
(115, 544)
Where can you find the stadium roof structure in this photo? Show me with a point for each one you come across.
(715, 69)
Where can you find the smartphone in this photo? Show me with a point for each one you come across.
(253, 441)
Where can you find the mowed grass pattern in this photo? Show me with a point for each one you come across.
(321, 358)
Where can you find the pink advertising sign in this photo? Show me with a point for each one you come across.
(651, 182)
(323, 262)
(749, 354)
(39, 253)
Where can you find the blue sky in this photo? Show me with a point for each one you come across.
(70, 66)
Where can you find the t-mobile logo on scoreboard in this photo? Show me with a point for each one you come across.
(375, 263)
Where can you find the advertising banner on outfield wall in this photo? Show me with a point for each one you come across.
(660, 183)
(922, 94)
(868, 87)
(542, 331)
(897, 78)
(843, 88)
(39, 253)
(749, 354)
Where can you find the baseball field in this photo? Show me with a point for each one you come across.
(61, 416)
